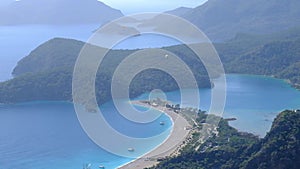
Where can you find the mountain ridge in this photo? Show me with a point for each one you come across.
(57, 12)
(222, 20)
(179, 11)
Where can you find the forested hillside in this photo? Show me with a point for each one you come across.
(46, 74)
(222, 20)
(280, 59)
(275, 54)
(234, 150)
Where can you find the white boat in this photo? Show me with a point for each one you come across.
(131, 149)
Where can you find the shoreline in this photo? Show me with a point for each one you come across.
(176, 138)
(124, 165)
(293, 85)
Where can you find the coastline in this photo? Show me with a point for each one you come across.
(176, 138)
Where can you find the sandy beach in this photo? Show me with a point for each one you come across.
(167, 148)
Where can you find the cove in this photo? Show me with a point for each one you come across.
(48, 135)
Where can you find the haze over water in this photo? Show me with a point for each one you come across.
(16, 42)
(48, 135)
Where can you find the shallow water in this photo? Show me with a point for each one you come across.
(48, 135)
(253, 100)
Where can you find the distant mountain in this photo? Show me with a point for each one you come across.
(179, 11)
(222, 20)
(57, 12)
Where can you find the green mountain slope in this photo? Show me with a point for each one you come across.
(233, 150)
(49, 85)
(46, 74)
(276, 54)
(280, 148)
(56, 53)
(222, 20)
(279, 59)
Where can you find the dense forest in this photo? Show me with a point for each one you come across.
(276, 54)
(279, 59)
(231, 149)
(46, 73)
(222, 20)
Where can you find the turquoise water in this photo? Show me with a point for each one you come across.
(253, 100)
(47, 135)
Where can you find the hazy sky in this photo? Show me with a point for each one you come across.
(134, 6)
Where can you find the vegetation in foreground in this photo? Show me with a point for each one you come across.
(230, 149)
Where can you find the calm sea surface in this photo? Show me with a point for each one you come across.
(253, 100)
(17, 42)
(47, 135)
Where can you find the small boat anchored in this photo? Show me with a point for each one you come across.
(162, 123)
(130, 149)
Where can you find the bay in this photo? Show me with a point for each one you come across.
(253, 100)
(48, 135)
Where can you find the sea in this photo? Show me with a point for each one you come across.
(47, 135)
(17, 42)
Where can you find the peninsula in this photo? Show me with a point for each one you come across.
(180, 132)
